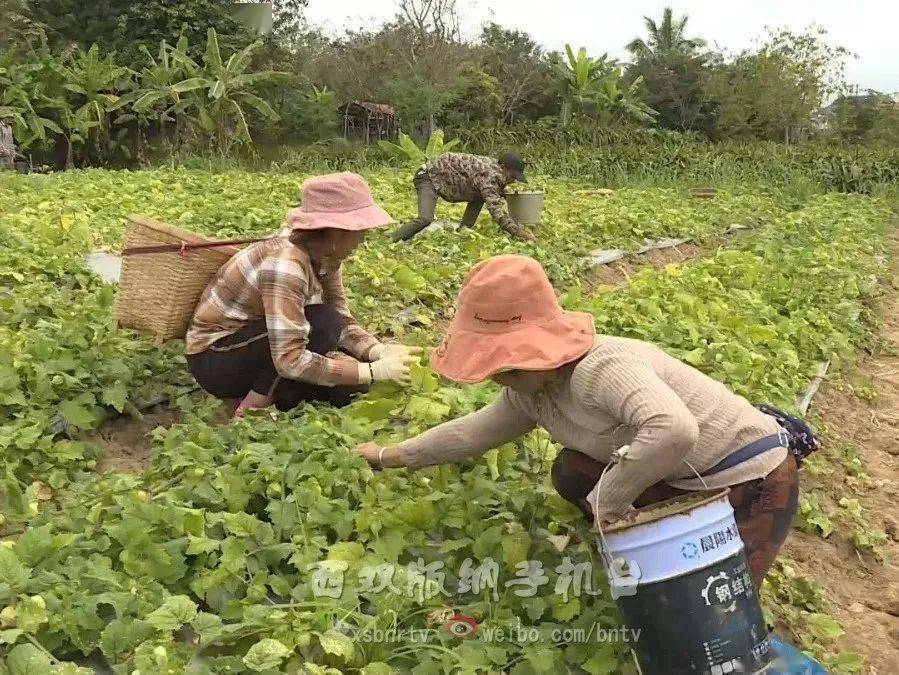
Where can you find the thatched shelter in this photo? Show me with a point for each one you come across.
(369, 121)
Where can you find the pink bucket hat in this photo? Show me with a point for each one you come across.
(508, 318)
(339, 200)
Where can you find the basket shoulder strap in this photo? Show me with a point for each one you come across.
(186, 246)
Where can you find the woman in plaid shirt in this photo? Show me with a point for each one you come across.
(265, 328)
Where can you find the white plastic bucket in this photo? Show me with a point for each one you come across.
(680, 575)
(667, 546)
(526, 208)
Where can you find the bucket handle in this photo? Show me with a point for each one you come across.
(619, 567)
(624, 577)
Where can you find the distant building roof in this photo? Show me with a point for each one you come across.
(376, 108)
(872, 97)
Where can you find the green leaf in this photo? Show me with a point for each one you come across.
(372, 410)
(12, 572)
(406, 279)
(488, 542)
(515, 548)
(31, 614)
(27, 660)
(377, 668)
(198, 545)
(208, 627)
(218, 91)
(565, 611)
(534, 607)
(424, 381)
(115, 395)
(847, 662)
(9, 636)
(335, 642)
(122, 636)
(213, 54)
(823, 626)
(451, 545)
(242, 125)
(260, 105)
(603, 661)
(70, 669)
(426, 410)
(35, 544)
(79, 412)
(191, 84)
(241, 524)
(176, 611)
(541, 658)
(390, 544)
(267, 654)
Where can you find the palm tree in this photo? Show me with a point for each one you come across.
(667, 36)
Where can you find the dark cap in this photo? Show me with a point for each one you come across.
(515, 164)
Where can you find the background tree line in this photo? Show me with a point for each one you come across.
(115, 81)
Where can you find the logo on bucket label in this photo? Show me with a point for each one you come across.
(689, 550)
(717, 591)
(461, 626)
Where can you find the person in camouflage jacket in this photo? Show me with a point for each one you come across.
(7, 144)
(460, 177)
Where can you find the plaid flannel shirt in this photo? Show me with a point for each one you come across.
(275, 280)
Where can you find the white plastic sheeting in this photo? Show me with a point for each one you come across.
(605, 256)
(804, 400)
(107, 265)
(439, 225)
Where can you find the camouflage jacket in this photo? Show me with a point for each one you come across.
(460, 177)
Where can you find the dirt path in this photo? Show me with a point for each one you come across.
(620, 272)
(125, 442)
(860, 416)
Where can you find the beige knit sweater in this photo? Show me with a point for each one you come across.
(623, 392)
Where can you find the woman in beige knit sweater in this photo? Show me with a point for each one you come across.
(595, 394)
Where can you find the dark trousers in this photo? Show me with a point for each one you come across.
(242, 362)
(763, 508)
(427, 206)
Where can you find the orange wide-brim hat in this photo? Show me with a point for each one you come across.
(337, 200)
(508, 318)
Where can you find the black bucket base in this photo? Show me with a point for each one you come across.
(707, 622)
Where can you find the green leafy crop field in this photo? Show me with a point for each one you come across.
(265, 545)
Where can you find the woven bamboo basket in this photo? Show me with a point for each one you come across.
(158, 292)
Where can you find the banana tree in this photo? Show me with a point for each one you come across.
(594, 86)
(223, 90)
(579, 77)
(96, 82)
(24, 98)
(75, 126)
(154, 98)
(624, 102)
(414, 156)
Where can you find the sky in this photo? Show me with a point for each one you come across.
(869, 28)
